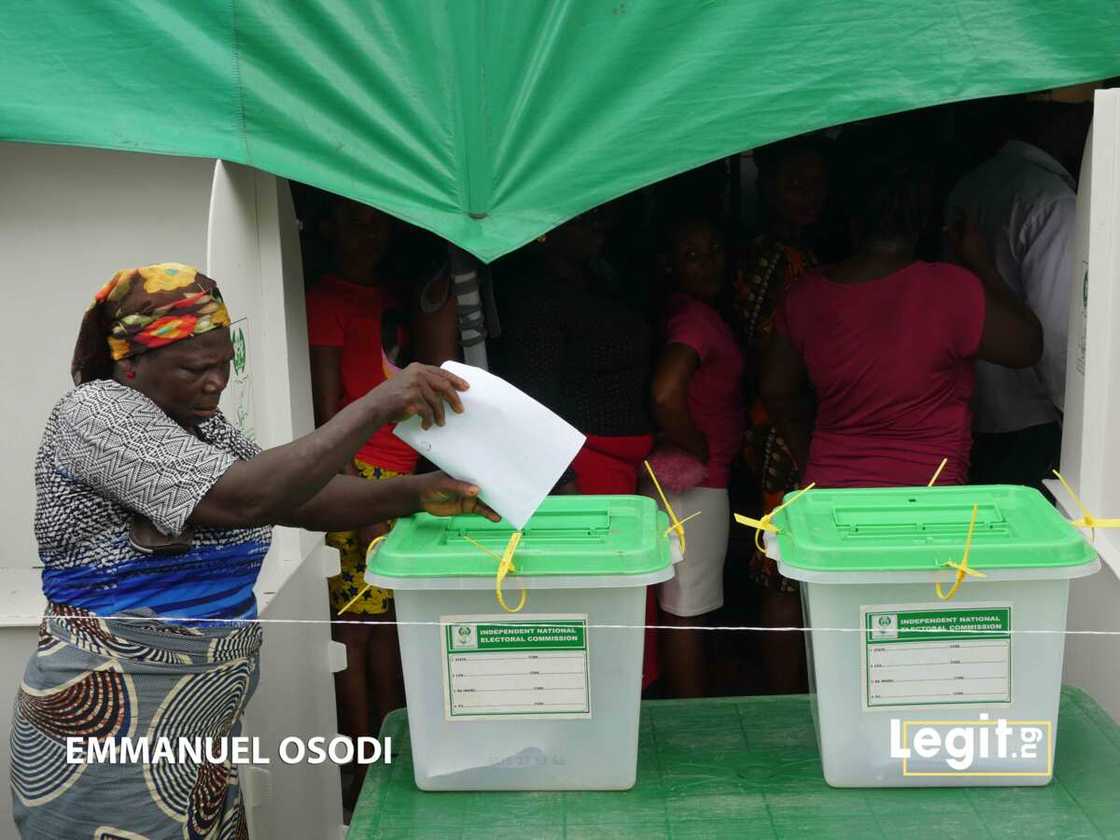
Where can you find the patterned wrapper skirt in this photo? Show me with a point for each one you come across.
(350, 582)
(141, 679)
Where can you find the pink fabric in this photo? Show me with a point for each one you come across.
(677, 470)
(715, 394)
(891, 361)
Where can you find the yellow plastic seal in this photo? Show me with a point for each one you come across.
(766, 522)
(505, 567)
(677, 525)
(962, 568)
(1087, 519)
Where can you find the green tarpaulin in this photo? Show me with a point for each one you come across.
(491, 121)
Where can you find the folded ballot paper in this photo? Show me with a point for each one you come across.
(505, 442)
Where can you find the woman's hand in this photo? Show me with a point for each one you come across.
(419, 389)
(442, 495)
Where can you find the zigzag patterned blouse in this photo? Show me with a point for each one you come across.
(109, 452)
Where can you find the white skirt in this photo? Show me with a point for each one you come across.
(697, 586)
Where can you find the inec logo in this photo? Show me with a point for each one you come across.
(886, 627)
(464, 637)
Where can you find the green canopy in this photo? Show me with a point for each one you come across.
(491, 121)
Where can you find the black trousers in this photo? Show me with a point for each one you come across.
(1023, 457)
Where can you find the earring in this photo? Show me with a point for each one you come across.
(130, 374)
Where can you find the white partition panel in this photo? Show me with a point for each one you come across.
(1092, 662)
(253, 254)
(295, 698)
(1078, 469)
(1091, 444)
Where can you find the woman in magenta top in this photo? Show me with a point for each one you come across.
(888, 342)
(700, 412)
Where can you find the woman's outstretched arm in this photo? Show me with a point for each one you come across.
(274, 486)
(348, 503)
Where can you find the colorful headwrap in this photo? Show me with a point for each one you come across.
(141, 309)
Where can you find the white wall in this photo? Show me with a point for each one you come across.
(69, 219)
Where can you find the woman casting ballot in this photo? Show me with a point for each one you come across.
(153, 516)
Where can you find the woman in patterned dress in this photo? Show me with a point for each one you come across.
(153, 517)
(792, 189)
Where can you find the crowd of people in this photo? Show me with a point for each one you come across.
(900, 298)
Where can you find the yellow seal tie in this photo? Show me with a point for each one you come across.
(369, 550)
(962, 567)
(677, 524)
(505, 567)
(1087, 519)
(766, 522)
(688, 518)
(937, 472)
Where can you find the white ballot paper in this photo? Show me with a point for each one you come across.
(505, 442)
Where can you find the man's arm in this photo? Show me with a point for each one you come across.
(1045, 273)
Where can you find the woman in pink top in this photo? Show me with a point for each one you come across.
(699, 408)
(888, 342)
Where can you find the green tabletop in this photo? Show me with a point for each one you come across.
(748, 767)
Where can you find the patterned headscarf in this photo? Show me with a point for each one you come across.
(141, 309)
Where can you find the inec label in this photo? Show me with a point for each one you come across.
(926, 655)
(503, 667)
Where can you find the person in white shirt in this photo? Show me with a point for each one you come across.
(1024, 201)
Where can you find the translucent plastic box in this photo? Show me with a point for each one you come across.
(546, 698)
(911, 689)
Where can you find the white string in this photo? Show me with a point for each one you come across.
(5, 620)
